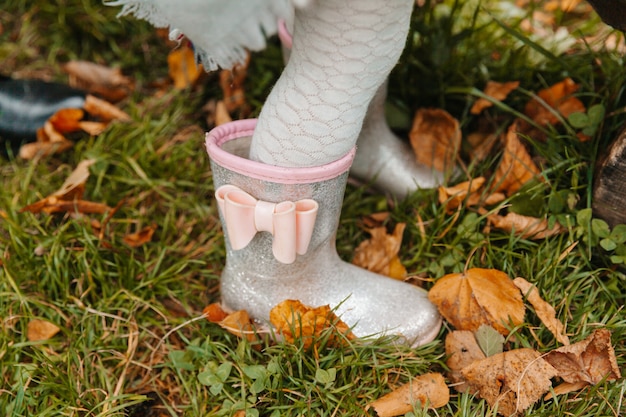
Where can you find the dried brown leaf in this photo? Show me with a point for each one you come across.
(183, 67)
(462, 350)
(478, 296)
(221, 114)
(497, 91)
(41, 330)
(380, 253)
(428, 389)
(559, 98)
(591, 360)
(67, 120)
(240, 324)
(141, 237)
(214, 313)
(436, 138)
(106, 82)
(232, 84)
(103, 110)
(294, 320)
(525, 226)
(516, 167)
(512, 380)
(544, 310)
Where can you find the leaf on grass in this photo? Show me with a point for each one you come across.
(41, 330)
(478, 296)
(214, 313)
(380, 253)
(49, 142)
(294, 320)
(461, 350)
(525, 226)
(468, 192)
(141, 237)
(240, 324)
(544, 310)
(559, 99)
(221, 114)
(427, 390)
(497, 91)
(103, 110)
(511, 381)
(436, 138)
(183, 67)
(491, 342)
(232, 84)
(591, 360)
(106, 82)
(67, 120)
(516, 167)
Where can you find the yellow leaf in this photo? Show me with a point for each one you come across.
(380, 253)
(428, 389)
(41, 330)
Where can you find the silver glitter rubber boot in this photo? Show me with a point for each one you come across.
(382, 159)
(280, 226)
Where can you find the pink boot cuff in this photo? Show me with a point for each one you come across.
(220, 135)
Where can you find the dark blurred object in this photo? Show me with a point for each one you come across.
(613, 12)
(609, 188)
(25, 105)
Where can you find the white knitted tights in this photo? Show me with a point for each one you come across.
(343, 50)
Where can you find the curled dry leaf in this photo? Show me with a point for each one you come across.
(560, 100)
(294, 320)
(436, 138)
(141, 237)
(232, 84)
(525, 226)
(478, 296)
(590, 361)
(497, 91)
(106, 82)
(41, 330)
(67, 120)
(380, 253)
(240, 324)
(516, 167)
(183, 67)
(103, 110)
(214, 313)
(512, 380)
(428, 389)
(462, 350)
(544, 310)
(468, 192)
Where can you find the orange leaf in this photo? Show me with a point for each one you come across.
(67, 120)
(497, 91)
(232, 84)
(429, 389)
(462, 350)
(545, 311)
(478, 296)
(436, 138)
(380, 253)
(183, 68)
(141, 237)
(214, 313)
(106, 82)
(294, 320)
(591, 360)
(41, 330)
(240, 324)
(559, 98)
(511, 381)
(516, 167)
(525, 226)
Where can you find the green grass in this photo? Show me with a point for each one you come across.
(130, 342)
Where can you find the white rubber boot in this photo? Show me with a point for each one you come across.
(382, 159)
(294, 255)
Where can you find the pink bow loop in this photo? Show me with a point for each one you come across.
(290, 223)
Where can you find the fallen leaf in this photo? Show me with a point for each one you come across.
(232, 83)
(221, 114)
(525, 226)
(41, 330)
(469, 193)
(103, 110)
(565, 388)
(497, 91)
(478, 296)
(436, 138)
(240, 324)
(559, 99)
(511, 381)
(491, 342)
(591, 360)
(544, 310)
(516, 167)
(462, 349)
(428, 389)
(106, 82)
(141, 237)
(294, 320)
(481, 144)
(214, 313)
(67, 120)
(380, 253)
(183, 67)
(92, 128)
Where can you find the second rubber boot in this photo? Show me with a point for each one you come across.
(280, 226)
(382, 159)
